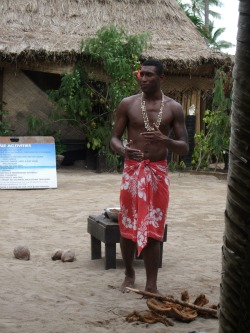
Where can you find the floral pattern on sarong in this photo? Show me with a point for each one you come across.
(144, 198)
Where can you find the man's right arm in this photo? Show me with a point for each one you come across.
(119, 128)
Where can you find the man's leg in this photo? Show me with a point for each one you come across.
(151, 257)
(128, 248)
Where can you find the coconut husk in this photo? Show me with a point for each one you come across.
(185, 296)
(201, 300)
(171, 310)
(68, 256)
(21, 252)
(207, 312)
(57, 255)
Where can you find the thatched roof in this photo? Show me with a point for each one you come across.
(51, 30)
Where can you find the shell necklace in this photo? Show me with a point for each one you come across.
(145, 115)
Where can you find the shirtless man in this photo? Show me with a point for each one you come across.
(148, 119)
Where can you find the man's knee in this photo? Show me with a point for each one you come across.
(152, 241)
(127, 242)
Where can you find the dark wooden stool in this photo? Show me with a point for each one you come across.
(102, 229)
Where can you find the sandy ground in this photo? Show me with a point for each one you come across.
(45, 296)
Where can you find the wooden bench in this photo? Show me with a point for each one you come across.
(102, 229)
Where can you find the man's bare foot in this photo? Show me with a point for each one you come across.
(152, 291)
(128, 282)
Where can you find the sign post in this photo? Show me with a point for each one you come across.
(27, 162)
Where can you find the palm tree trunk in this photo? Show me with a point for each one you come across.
(235, 284)
(207, 14)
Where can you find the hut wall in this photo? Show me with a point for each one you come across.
(24, 98)
(193, 122)
(189, 91)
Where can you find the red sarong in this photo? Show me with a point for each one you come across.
(144, 198)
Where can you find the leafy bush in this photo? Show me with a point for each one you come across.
(90, 104)
(214, 141)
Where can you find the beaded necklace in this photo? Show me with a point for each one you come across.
(145, 115)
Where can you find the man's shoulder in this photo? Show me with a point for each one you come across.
(171, 100)
(128, 103)
(173, 103)
(131, 98)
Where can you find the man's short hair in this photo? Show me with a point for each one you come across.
(158, 65)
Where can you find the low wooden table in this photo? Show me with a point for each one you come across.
(102, 229)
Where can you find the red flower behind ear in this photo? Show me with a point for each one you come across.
(138, 73)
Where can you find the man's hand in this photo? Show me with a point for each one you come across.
(154, 136)
(133, 154)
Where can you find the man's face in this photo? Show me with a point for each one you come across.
(149, 80)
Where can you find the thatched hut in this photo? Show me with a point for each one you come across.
(41, 39)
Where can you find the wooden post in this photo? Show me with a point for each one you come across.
(198, 112)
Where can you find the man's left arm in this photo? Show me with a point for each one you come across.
(179, 144)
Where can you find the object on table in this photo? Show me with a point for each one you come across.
(112, 213)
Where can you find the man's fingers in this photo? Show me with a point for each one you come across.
(129, 143)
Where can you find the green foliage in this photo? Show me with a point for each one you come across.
(212, 37)
(174, 166)
(195, 11)
(4, 125)
(202, 152)
(196, 18)
(80, 102)
(72, 97)
(37, 126)
(211, 144)
(198, 7)
(90, 104)
(118, 53)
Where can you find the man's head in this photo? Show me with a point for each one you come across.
(157, 64)
(151, 76)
